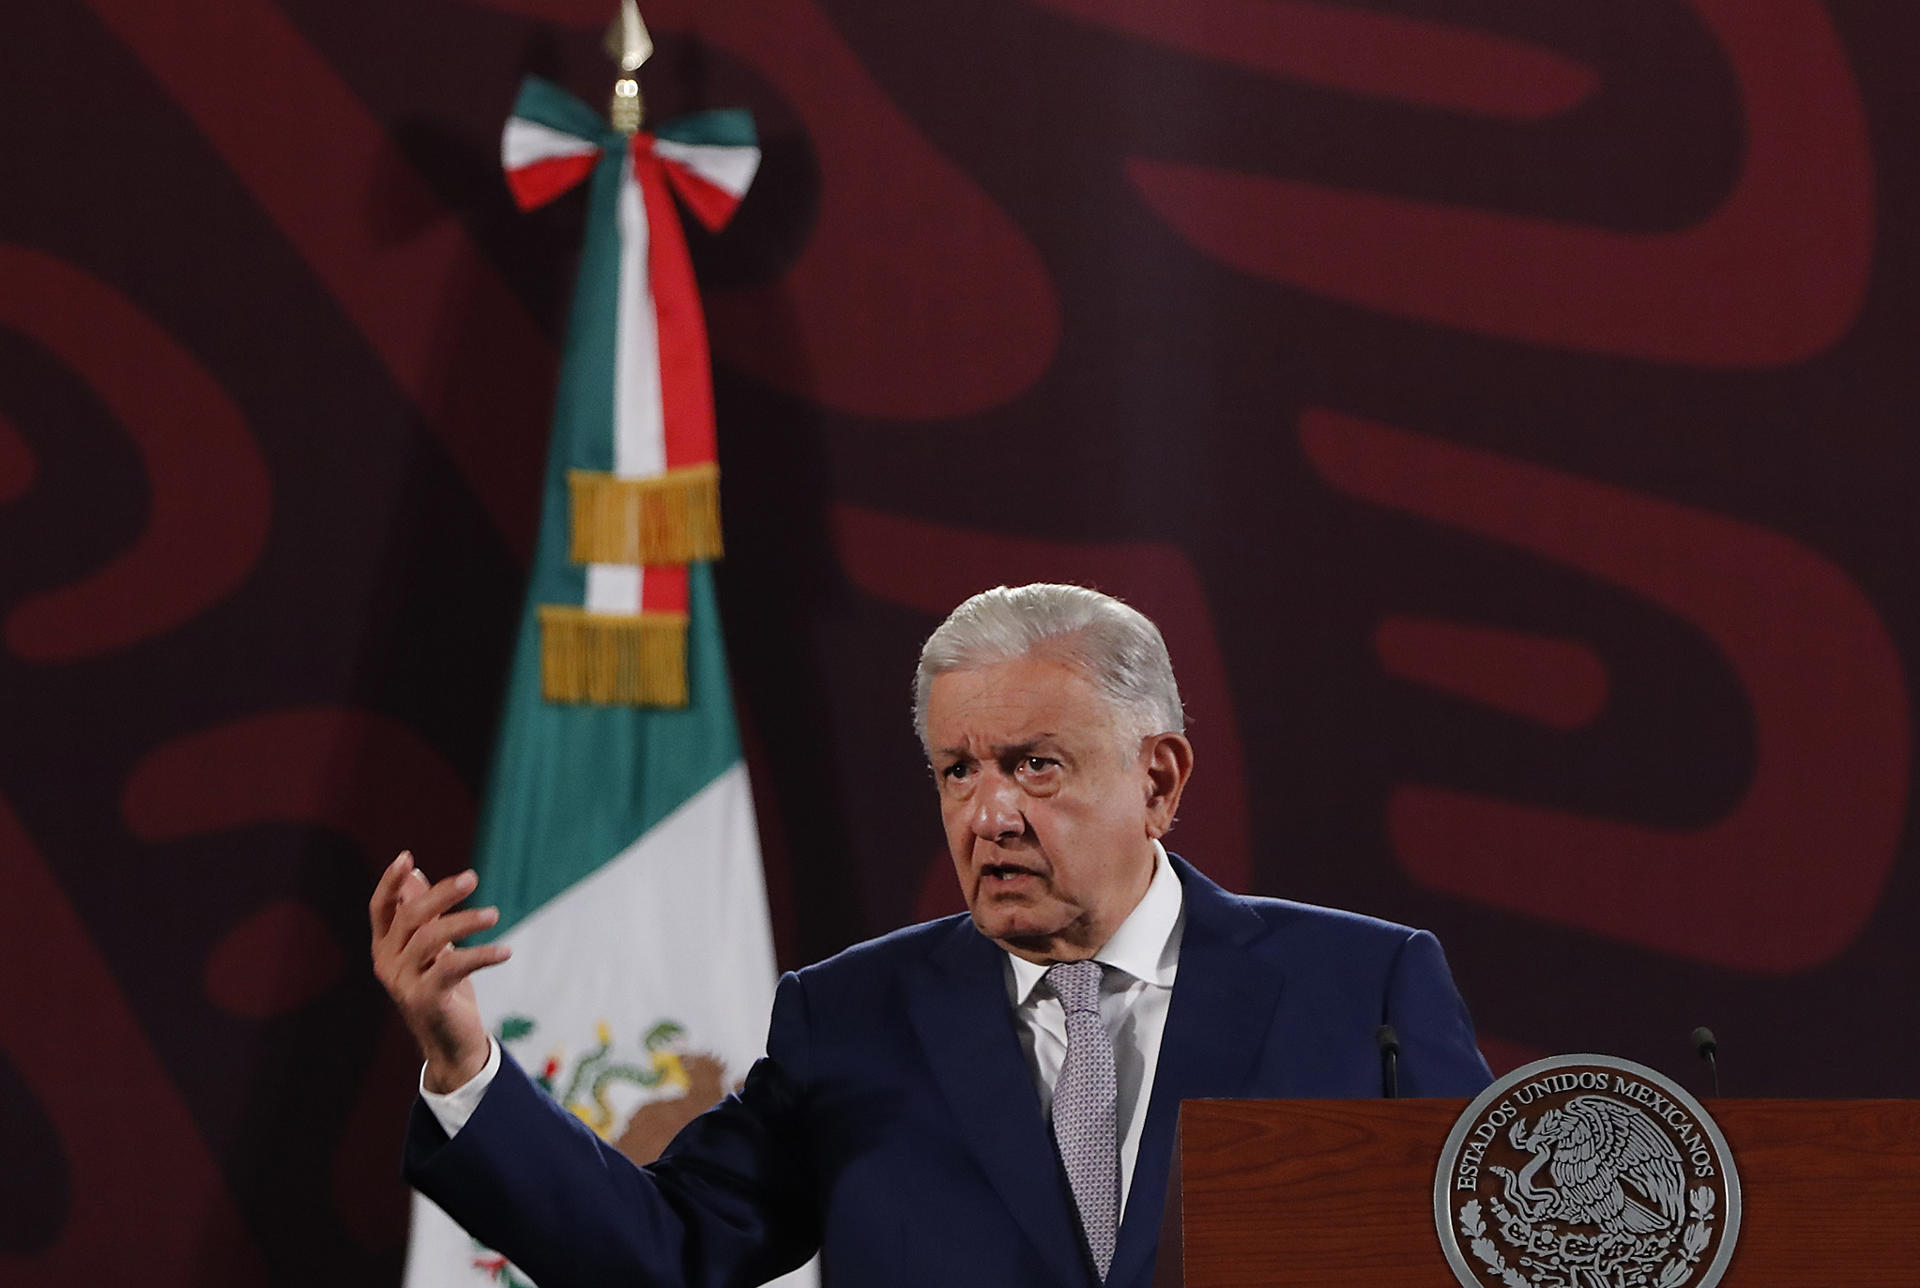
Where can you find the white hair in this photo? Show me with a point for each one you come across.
(1112, 645)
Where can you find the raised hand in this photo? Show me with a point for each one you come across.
(415, 927)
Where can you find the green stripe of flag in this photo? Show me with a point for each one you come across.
(574, 785)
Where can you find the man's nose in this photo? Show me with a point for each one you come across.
(996, 808)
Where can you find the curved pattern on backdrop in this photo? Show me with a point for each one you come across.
(208, 490)
(1775, 275)
(1825, 686)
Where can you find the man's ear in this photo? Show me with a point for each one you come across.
(1169, 762)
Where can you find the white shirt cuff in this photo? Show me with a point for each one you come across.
(453, 1109)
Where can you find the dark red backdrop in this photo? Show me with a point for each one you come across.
(1504, 407)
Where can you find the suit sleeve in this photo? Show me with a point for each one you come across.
(731, 1200)
(1439, 1055)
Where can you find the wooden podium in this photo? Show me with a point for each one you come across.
(1326, 1193)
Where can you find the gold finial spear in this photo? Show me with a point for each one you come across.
(628, 41)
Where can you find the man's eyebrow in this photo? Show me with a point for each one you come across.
(998, 751)
(1003, 750)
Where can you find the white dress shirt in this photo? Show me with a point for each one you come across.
(1135, 992)
(452, 1109)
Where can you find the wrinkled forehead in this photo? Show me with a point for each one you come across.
(1015, 702)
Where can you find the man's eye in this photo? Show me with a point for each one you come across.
(1037, 764)
(955, 771)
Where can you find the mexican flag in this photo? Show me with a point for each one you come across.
(618, 832)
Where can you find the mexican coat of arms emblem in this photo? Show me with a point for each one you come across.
(1585, 1171)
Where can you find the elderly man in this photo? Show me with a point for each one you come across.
(987, 1099)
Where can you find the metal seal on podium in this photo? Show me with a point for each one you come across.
(1584, 1171)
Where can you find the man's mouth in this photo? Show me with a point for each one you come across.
(995, 873)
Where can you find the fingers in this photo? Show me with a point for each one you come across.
(427, 942)
(414, 924)
(412, 886)
(416, 907)
(389, 891)
(455, 964)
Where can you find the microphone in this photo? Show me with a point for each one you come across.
(1389, 1043)
(1704, 1046)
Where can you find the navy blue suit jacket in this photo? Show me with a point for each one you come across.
(894, 1122)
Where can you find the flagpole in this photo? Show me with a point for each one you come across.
(628, 41)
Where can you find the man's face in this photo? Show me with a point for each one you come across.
(1050, 820)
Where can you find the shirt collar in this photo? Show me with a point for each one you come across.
(1147, 945)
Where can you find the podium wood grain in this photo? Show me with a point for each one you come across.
(1325, 1193)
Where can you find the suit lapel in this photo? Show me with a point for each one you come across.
(958, 1006)
(1223, 1002)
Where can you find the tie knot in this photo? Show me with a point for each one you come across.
(1076, 984)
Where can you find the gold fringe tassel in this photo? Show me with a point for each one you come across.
(613, 660)
(671, 518)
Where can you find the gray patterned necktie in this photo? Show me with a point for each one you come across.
(1083, 1109)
